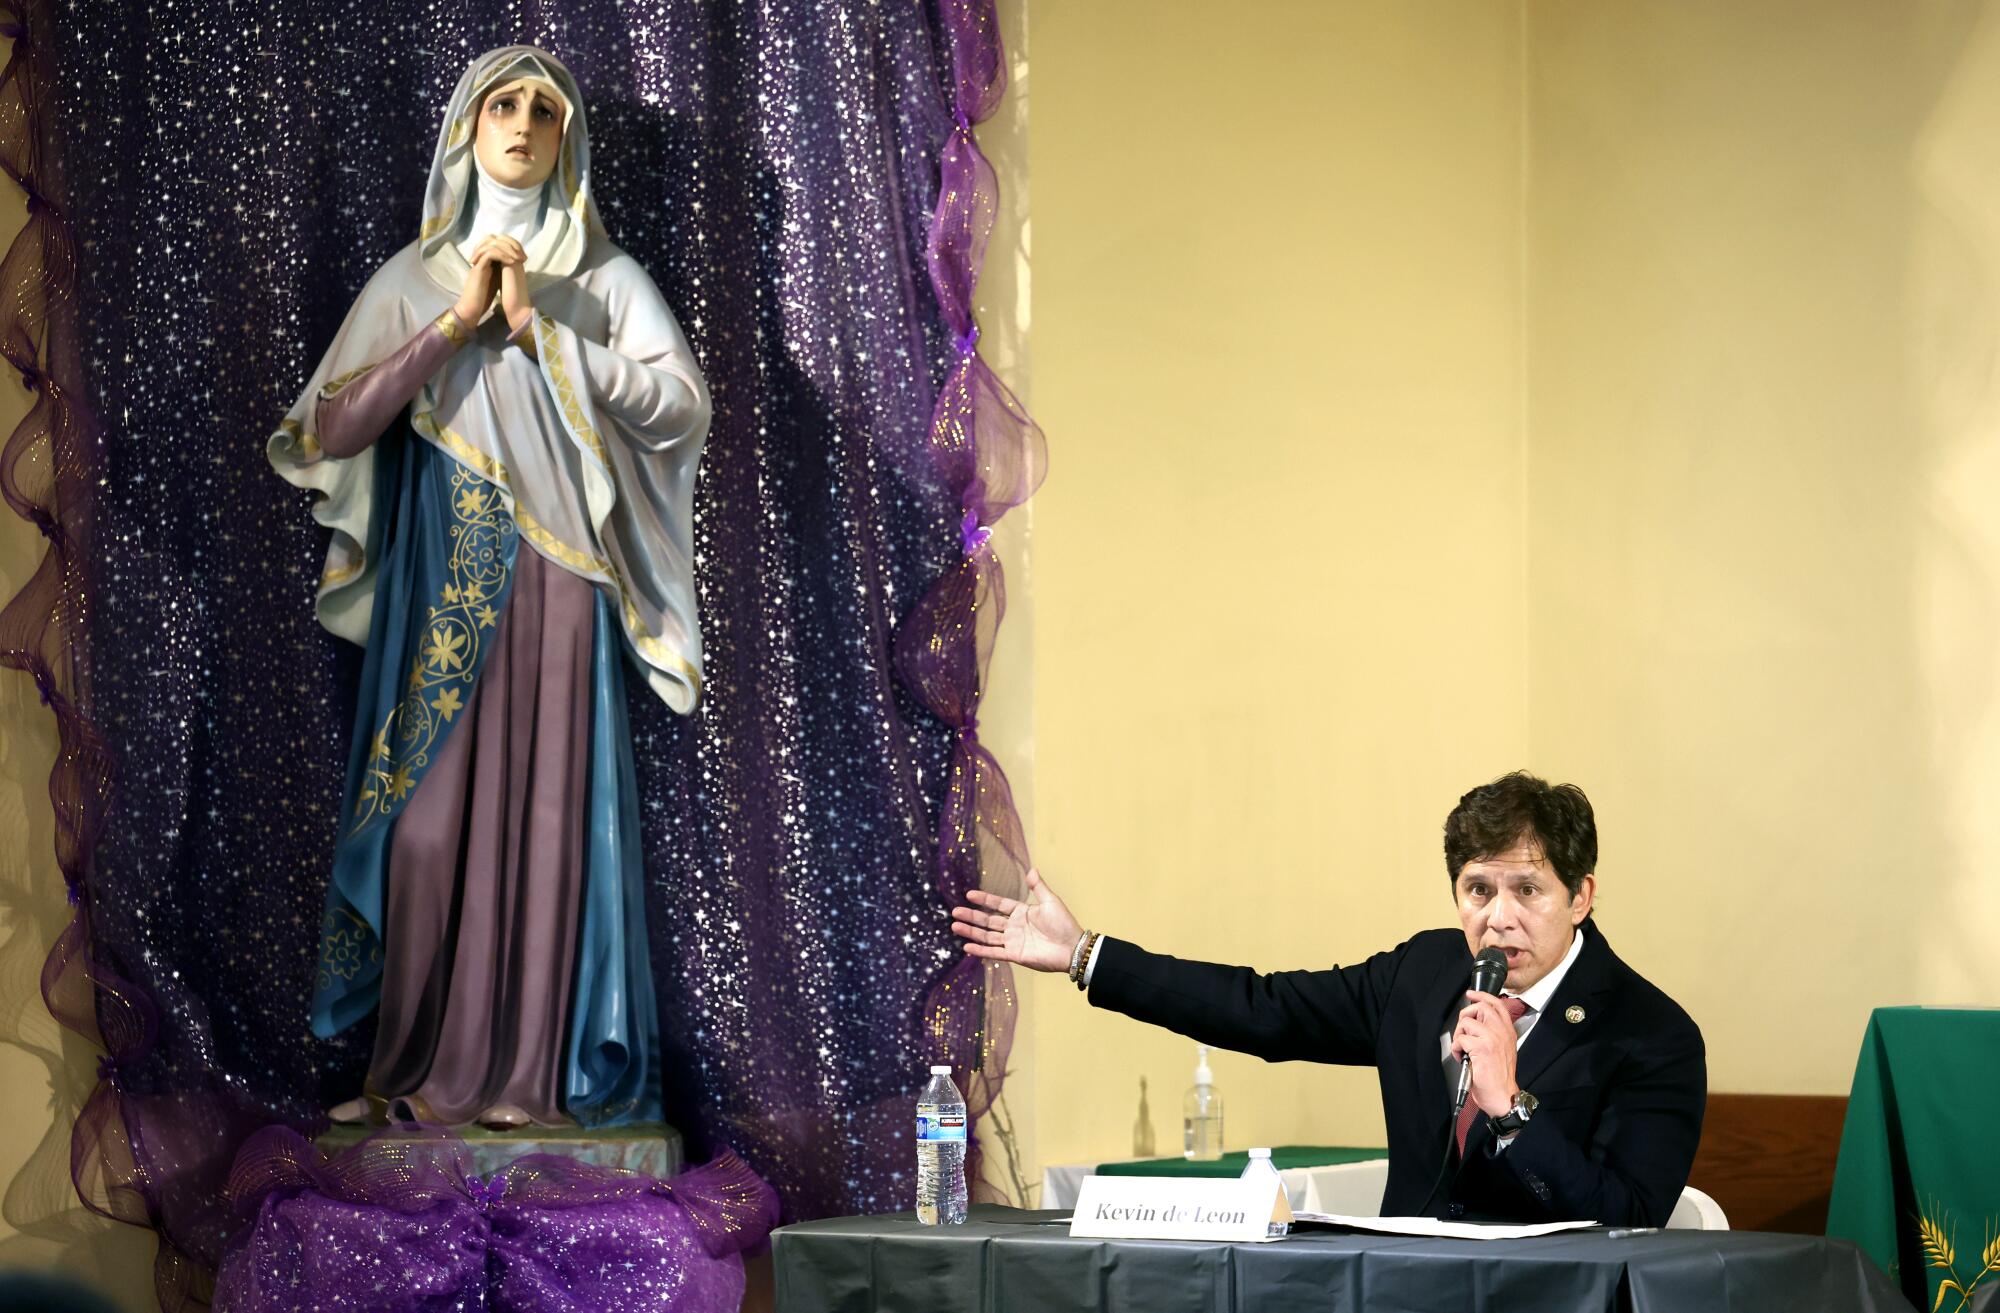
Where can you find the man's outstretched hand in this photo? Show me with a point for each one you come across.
(1038, 933)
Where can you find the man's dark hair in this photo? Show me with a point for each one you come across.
(1494, 817)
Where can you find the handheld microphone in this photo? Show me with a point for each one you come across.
(1489, 973)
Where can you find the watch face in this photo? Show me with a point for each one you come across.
(1526, 1103)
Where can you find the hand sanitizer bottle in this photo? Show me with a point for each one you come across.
(1201, 1114)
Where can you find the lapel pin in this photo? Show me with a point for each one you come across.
(1573, 1015)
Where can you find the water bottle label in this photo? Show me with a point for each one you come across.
(934, 1127)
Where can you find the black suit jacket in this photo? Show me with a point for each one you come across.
(1622, 1087)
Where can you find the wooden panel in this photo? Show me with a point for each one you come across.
(1768, 1159)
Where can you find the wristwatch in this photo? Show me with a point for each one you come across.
(1517, 1116)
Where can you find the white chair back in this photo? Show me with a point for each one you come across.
(1347, 1190)
(1695, 1211)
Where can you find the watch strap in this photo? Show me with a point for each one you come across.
(1517, 1116)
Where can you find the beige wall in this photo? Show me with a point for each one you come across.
(1603, 389)
(1281, 607)
(1763, 472)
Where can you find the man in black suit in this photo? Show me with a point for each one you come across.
(1588, 1083)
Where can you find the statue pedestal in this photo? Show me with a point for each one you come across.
(653, 1148)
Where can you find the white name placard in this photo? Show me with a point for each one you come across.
(1177, 1208)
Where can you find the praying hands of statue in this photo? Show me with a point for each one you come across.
(514, 301)
(1037, 932)
(495, 262)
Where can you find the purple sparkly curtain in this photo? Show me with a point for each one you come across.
(802, 181)
(992, 457)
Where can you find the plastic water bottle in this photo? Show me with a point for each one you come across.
(1261, 1167)
(941, 1193)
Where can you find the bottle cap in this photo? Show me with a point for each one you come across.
(942, 1069)
(1260, 1153)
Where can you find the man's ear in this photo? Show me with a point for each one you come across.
(1579, 905)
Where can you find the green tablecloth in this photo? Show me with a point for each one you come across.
(1232, 1164)
(1917, 1185)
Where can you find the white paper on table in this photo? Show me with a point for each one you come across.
(1430, 1226)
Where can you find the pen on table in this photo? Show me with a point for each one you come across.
(1620, 1232)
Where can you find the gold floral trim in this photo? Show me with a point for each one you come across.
(308, 445)
(569, 402)
(567, 398)
(346, 944)
(652, 648)
(486, 466)
(461, 129)
(331, 389)
(441, 677)
(649, 646)
(454, 330)
(573, 557)
(439, 224)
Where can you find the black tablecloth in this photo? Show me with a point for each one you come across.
(1025, 1262)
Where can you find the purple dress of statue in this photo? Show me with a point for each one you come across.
(511, 504)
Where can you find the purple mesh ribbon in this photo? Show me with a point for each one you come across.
(992, 456)
(48, 473)
(400, 1223)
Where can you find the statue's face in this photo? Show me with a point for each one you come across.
(519, 134)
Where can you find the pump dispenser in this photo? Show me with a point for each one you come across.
(1201, 1114)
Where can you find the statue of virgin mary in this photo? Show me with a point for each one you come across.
(505, 432)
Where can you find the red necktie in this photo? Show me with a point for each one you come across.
(1516, 1008)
